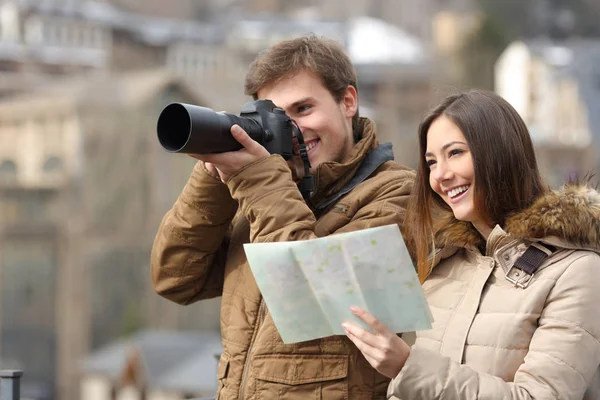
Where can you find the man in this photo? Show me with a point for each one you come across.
(250, 196)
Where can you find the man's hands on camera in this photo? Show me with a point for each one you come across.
(226, 164)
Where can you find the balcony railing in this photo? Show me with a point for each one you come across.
(10, 384)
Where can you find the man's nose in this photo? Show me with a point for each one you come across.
(300, 125)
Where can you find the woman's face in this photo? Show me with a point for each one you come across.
(452, 175)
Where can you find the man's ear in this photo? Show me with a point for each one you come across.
(350, 102)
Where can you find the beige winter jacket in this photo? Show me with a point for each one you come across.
(494, 340)
(198, 254)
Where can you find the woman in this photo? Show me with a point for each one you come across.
(515, 291)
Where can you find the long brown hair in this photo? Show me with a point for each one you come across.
(506, 172)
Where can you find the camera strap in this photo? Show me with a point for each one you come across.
(373, 160)
(307, 184)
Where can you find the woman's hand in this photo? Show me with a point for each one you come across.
(384, 350)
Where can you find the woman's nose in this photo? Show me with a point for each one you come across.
(441, 172)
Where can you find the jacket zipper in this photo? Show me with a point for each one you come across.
(342, 209)
(261, 313)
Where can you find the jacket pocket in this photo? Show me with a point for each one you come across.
(222, 370)
(295, 377)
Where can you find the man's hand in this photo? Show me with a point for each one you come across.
(384, 350)
(226, 164)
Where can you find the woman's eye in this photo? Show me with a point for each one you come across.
(455, 152)
(303, 108)
(430, 163)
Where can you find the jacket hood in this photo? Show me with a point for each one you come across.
(569, 217)
(331, 176)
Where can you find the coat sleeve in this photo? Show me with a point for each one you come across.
(563, 356)
(273, 205)
(188, 255)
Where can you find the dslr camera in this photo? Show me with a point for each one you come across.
(191, 129)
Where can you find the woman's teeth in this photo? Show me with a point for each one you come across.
(456, 191)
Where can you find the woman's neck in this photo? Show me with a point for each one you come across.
(483, 229)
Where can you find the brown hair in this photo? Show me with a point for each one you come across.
(506, 172)
(324, 57)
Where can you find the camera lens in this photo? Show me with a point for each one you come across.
(174, 126)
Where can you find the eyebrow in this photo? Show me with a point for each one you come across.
(444, 147)
(298, 102)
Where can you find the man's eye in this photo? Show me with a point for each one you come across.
(303, 108)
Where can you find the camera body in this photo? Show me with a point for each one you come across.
(279, 129)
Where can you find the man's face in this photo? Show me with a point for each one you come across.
(325, 124)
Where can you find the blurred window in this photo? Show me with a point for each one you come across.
(64, 33)
(33, 31)
(8, 170)
(97, 37)
(51, 33)
(28, 298)
(29, 206)
(52, 164)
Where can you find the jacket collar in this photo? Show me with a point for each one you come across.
(331, 176)
(567, 218)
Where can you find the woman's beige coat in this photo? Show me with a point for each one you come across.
(494, 340)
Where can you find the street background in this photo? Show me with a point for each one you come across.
(84, 182)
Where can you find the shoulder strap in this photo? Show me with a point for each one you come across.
(529, 263)
(371, 162)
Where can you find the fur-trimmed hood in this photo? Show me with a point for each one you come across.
(569, 216)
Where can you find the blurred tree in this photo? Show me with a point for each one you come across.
(509, 20)
(573, 18)
(132, 319)
(480, 51)
(556, 19)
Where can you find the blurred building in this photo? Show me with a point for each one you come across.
(153, 365)
(40, 40)
(555, 87)
(50, 38)
(414, 17)
(453, 24)
(83, 187)
(83, 182)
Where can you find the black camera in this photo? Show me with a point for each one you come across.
(185, 128)
(190, 129)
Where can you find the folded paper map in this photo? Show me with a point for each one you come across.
(310, 285)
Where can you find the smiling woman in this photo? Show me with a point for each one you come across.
(510, 268)
(480, 141)
(451, 172)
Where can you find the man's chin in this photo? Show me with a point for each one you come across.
(314, 165)
(315, 161)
